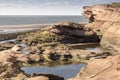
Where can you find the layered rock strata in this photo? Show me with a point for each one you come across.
(106, 23)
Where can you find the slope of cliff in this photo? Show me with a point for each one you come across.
(105, 21)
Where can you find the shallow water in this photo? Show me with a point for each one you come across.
(92, 47)
(66, 71)
(5, 41)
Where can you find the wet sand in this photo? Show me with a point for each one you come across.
(11, 32)
(22, 26)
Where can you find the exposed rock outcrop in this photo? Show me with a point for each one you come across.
(11, 61)
(101, 69)
(9, 35)
(106, 23)
(45, 77)
(51, 44)
(66, 32)
(5, 46)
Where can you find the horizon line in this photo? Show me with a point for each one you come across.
(38, 15)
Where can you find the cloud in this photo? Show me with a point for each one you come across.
(40, 11)
(50, 7)
(58, 3)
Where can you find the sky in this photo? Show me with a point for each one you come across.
(46, 7)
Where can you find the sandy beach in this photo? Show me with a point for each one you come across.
(22, 26)
(7, 32)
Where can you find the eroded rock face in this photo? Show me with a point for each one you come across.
(104, 12)
(105, 21)
(66, 32)
(106, 24)
(111, 38)
(101, 69)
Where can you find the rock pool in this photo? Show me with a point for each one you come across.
(65, 71)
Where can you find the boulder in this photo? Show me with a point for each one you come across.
(22, 58)
(34, 57)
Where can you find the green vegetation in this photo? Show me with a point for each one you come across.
(43, 37)
(38, 37)
(116, 4)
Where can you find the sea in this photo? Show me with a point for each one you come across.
(6, 20)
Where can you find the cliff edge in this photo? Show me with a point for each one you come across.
(105, 21)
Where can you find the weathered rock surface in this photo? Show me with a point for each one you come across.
(109, 12)
(66, 32)
(10, 61)
(39, 78)
(59, 52)
(46, 77)
(101, 69)
(9, 64)
(5, 46)
(108, 26)
(111, 38)
(9, 35)
(51, 44)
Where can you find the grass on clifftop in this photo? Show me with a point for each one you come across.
(116, 4)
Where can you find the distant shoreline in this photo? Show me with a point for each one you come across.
(23, 26)
(7, 32)
(28, 26)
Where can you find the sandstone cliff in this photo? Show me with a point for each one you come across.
(105, 21)
(101, 69)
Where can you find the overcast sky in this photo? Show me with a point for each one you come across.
(46, 7)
